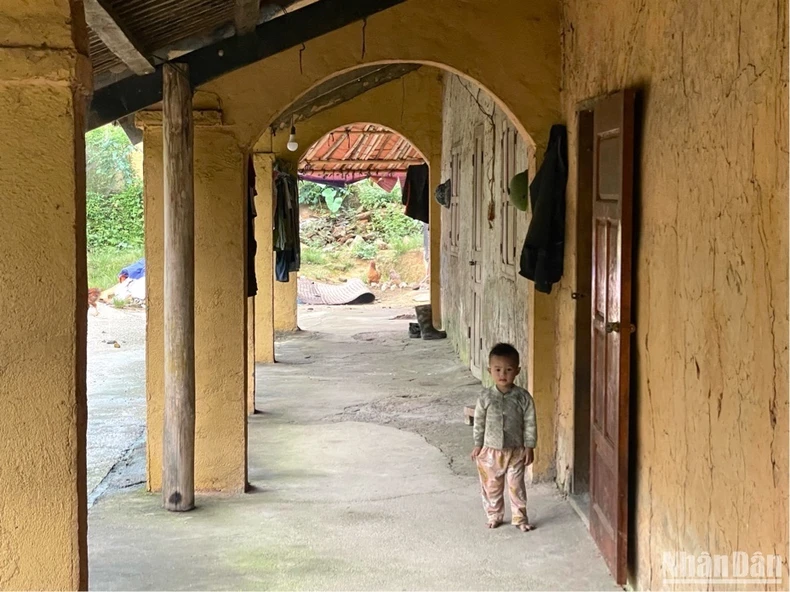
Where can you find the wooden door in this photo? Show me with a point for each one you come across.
(613, 162)
(476, 253)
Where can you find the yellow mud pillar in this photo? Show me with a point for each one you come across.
(250, 356)
(221, 371)
(44, 84)
(264, 262)
(285, 310)
(542, 379)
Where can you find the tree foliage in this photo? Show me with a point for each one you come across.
(114, 191)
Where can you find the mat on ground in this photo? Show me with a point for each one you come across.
(352, 292)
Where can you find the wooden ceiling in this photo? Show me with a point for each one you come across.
(359, 149)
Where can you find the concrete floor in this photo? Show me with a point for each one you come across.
(361, 482)
(116, 394)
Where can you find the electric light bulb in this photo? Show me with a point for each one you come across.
(292, 143)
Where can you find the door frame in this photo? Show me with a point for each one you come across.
(616, 556)
(476, 254)
(580, 482)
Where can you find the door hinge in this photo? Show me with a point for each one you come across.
(577, 295)
(469, 332)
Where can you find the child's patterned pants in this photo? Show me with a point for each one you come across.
(494, 465)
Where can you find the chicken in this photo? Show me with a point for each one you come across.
(93, 297)
(395, 277)
(374, 275)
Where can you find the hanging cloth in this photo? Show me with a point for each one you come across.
(286, 226)
(252, 245)
(544, 247)
(415, 193)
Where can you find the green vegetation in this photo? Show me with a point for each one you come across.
(114, 207)
(363, 250)
(104, 265)
(347, 228)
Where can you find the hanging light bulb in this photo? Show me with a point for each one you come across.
(292, 145)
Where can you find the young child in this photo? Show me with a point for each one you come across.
(505, 433)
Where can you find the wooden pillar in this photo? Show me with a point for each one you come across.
(178, 467)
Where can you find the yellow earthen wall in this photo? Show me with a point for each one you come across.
(220, 309)
(506, 304)
(711, 270)
(285, 310)
(523, 76)
(44, 82)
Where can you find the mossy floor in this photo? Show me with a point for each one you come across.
(360, 478)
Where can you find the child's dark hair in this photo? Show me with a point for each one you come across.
(505, 350)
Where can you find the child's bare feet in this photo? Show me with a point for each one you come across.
(494, 524)
(525, 527)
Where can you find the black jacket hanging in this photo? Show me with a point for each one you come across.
(252, 245)
(544, 248)
(415, 193)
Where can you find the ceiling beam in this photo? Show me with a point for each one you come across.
(338, 90)
(209, 63)
(245, 15)
(105, 23)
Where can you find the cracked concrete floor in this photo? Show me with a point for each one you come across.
(358, 462)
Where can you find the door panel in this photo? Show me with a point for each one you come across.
(613, 161)
(476, 253)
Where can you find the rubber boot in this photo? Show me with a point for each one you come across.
(414, 331)
(425, 320)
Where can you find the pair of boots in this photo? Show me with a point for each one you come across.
(424, 326)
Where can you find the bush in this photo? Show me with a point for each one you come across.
(363, 250)
(116, 220)
(114, 207)
(372, 197)
(315, 195)
(392, 224)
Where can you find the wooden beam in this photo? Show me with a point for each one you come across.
(340, 89)
(245, 15)
(206, 64)
(106, 24)
(178, 454)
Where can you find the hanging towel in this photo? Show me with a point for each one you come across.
(544, 248)
(415, 193)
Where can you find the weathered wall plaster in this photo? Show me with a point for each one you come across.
(220, 308)
(411, 106)
(711, 275)
(523, 76)
(505, 294)
(44, 82)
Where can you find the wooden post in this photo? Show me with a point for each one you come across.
(178, 463)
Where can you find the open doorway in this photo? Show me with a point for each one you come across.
(115, 372)
(604, 329)
(361, 242)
